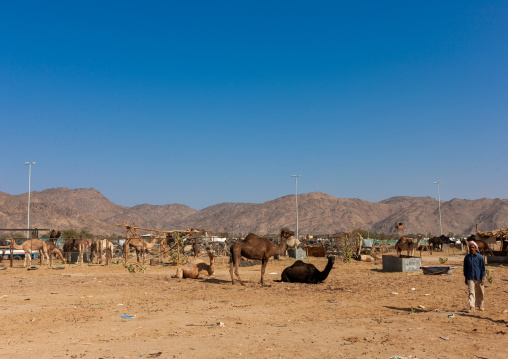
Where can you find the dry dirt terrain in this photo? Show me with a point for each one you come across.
(358, 312)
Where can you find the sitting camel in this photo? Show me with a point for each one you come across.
(197, 268)
(255, 247)
(301, 272)
(404, 244)
(30, 245)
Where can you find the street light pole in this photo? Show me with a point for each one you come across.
(296, 200)
(30, 164)
(439, 206)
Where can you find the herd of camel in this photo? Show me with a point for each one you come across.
(436, 243)
(252, 247)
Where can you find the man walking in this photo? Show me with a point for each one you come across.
(474, 272)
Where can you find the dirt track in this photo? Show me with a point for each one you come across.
(76, 312)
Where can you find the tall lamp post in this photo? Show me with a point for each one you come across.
(296, 200)
(439, 206)
(30, 164)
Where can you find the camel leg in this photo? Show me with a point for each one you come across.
(263, 267)
(234, 262)
(231, 270)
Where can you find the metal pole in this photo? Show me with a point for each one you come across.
(296, 200)
(29, 177)
(439, 206)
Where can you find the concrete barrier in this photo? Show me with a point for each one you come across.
(397, 264)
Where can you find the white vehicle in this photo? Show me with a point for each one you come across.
(18, 254)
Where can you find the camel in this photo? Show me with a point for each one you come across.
(414, 246)
(72, 243)
(437, 242)
(483, 246)
(301, 272)
(53, 251)
(255, 247)
(28, 246)
(100, 248)
(292, 243)
(140, 245)
(404, 244)
(197, 268)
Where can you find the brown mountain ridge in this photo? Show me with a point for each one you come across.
(87, 208)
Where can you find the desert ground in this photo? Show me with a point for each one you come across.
(358, 312)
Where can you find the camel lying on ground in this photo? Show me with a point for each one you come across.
(197, 268)
(301, 272)
(258, 248)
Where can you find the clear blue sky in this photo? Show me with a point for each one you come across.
(203, 102)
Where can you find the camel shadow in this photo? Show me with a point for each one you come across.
(216, 281)
(408, 310)
(476, 316)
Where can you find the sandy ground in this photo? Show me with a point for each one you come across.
(358, 312)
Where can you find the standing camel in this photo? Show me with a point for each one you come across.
(53, 251)
(100, 248)
(30, 245)
(414, 246)
(140, 245)
(71, 244)
(301, 272)
(258, 248)
(197, 268)
(404, 244)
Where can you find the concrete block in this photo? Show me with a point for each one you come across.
(497, 259)
(297, 253)
(397, 264)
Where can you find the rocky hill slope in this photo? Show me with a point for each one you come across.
(87, 208)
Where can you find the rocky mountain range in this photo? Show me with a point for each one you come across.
(319, 213)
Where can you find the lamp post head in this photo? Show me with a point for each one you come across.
(29, 163)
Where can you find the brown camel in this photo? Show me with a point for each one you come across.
(255, 247)
(104, 250)
(53, 251)
(482, 245)
(30, 245)
(71, 244)
(484, 248)
(414, 246)
(301, 272)
(68, 247)
(197, 268)
(140, 245)
(404, 244)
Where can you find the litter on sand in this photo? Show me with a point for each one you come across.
(125, 316)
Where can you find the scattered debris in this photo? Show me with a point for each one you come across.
(394, 293)
(444, 338)
(125, 316)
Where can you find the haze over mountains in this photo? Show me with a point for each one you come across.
(87, 208)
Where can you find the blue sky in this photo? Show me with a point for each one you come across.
(203, 102)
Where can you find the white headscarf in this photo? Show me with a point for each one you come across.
(474, 244)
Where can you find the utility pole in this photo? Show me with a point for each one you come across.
(296, 200)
